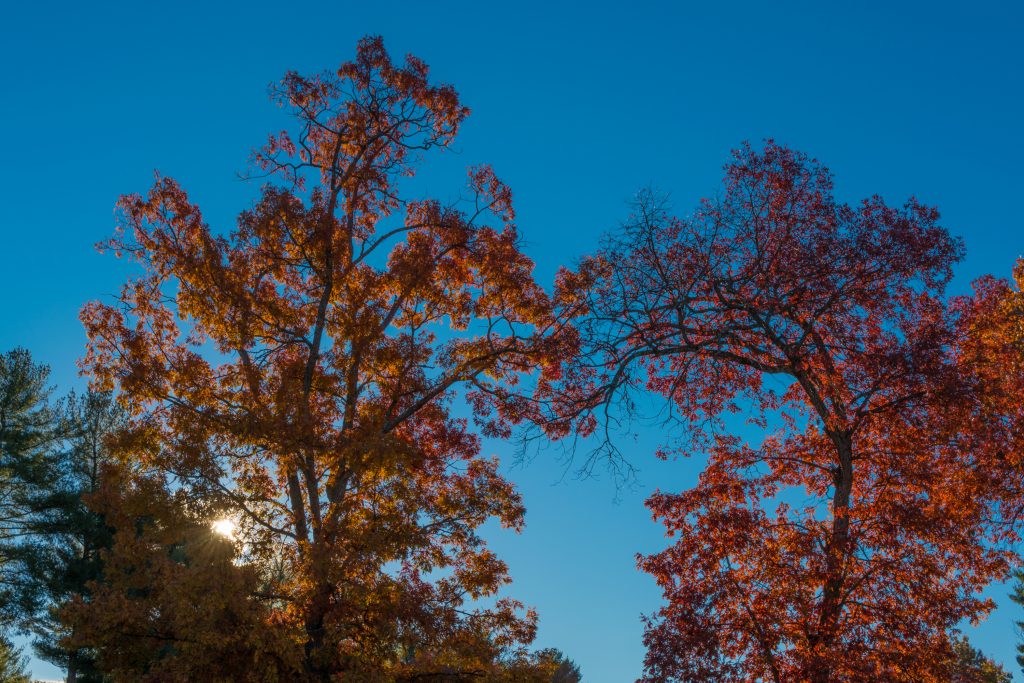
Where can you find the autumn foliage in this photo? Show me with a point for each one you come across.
(297, 374)
(294, 485)
(848, 541)
(173, 602)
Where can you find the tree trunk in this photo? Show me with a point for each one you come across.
(837, 550)
(319, 663)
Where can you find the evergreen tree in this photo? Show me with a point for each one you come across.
(12, 664)
(65, 555)
(28, 434)
(1018, 597)
(50, 461)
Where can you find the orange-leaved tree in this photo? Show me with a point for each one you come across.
(847, 541)
(991, 357)
(301, 371)
(172, 603)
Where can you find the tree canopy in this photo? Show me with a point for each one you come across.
(813, 555)
(297, 375)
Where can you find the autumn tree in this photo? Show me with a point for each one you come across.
(970, 665)
(847, 541)
(565, 670)
(994, 355)
(12, 664)
(173, 603)
(548, 665)
(299, 372)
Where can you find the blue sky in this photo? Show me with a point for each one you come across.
(576, 105)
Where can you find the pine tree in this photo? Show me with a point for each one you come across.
(1018, 597)
(50, 459)
(12, 664)
(68, 535)
(28, 432)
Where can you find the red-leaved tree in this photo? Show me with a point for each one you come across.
(848, 542)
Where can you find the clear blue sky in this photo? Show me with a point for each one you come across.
(576, 105)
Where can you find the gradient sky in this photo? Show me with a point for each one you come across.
(576, 105)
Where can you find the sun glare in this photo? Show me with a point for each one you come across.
(224, 527)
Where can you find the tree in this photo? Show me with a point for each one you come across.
(63, 558)
(28, 433)
(51, 456)
(173, 603)
(564, 669)
(12, 664)
(970, 665)
(1018, 597)
(995, 318)
(850, 541)
(543, 666)
(302, 380)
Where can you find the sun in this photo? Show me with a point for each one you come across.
(224, 527)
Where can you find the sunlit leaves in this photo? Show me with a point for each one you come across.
(300, 372)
